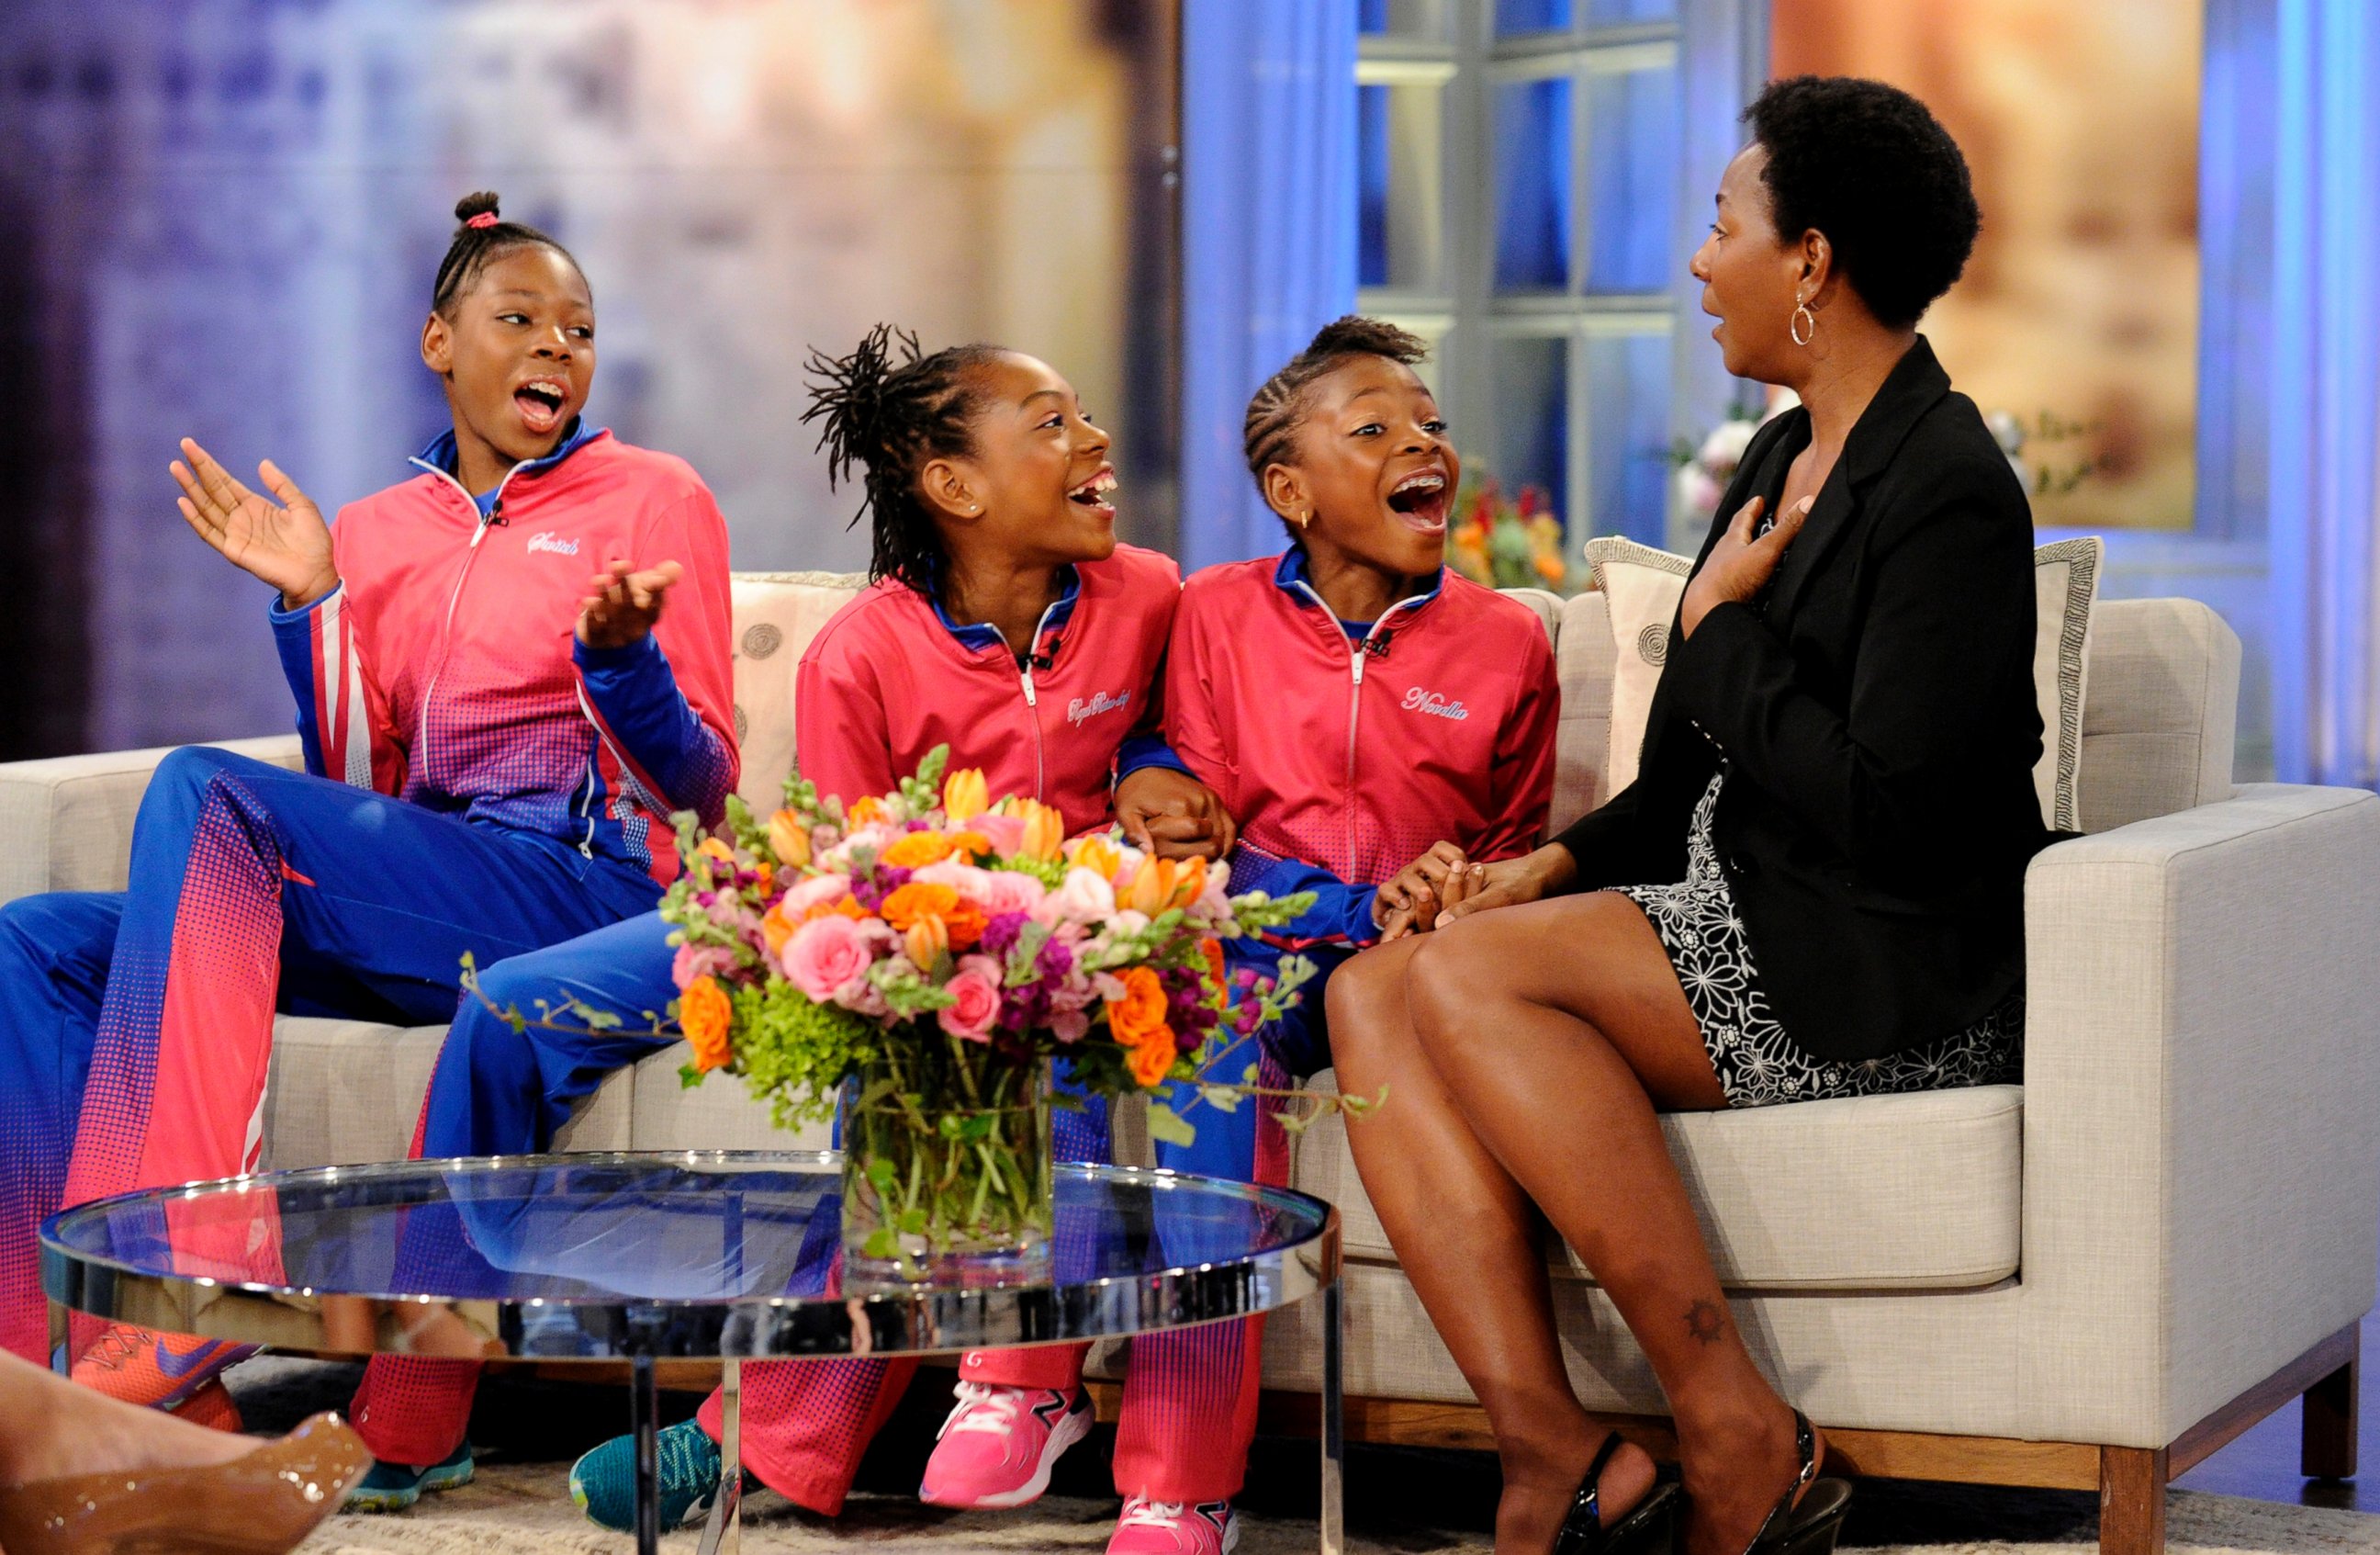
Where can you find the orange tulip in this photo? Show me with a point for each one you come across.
(928, 940)
(1098, 854)
(789, 840)
(1044, 830)
(965, 796)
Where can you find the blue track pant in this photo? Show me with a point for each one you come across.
(136, 1029)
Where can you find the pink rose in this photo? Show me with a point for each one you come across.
(1005, 833)
(1005, 891)
(975, 998)
(965, 879)
(816, 891)
(1069, 1025)
(700, 961)
(825, 953)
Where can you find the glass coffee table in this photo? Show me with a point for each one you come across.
(725, 1255)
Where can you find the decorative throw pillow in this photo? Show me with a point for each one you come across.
(2065, 586)
(1643, 586)
(777, 613)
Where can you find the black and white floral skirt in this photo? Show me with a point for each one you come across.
(1758, 1064)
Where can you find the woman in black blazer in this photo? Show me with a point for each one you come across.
(1813, 888)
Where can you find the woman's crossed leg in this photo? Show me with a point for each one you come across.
(1526, 1051)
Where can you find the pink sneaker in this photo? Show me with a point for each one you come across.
(1151, 1527)
(997, 1447)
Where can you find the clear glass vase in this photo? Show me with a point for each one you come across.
(945, 1168)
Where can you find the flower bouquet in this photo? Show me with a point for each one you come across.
(1507, 544)
(920, 957)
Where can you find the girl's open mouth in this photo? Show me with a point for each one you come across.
(539, 402)
(1092, 494)
(1420, 499)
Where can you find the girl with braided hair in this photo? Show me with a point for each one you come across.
(497, 716)
(1351, 701)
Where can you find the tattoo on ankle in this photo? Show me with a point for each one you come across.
(1706, 1322)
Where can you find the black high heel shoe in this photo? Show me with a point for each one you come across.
(1650, 1526)
(1812, 1527)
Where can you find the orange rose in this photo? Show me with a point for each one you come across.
(867, 811)
(846, 906)
(1153, 1060)
(1141, 1011)
(704, 1013)
(974, 843)
(917, 899)
(918, 849)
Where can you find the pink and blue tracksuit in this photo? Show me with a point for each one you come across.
(476, 781)
(887, 679)
(1344, 750)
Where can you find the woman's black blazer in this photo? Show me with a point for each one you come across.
(1876, 711)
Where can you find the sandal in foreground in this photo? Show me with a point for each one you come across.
(264, 1504)
(1650, 1527)
(1812, 1527)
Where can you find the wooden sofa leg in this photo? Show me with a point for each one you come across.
(2132, 1500)
(2328, 1451)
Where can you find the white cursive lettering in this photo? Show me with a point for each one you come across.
(1431, 702)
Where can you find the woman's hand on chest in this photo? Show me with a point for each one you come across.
(1740, 564)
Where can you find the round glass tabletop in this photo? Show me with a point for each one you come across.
(719, 1254)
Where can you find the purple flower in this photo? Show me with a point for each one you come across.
(1055, 960)
(1001, 934)
(1245, 977)
(1188, 1041)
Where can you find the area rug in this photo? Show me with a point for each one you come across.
(521, 1510)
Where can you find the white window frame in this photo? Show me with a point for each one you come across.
(1719, 48)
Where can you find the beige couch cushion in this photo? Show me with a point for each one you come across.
(67, 819)
(344, 1093)
(777, 613)
(2160, 713)
(1873, 1193)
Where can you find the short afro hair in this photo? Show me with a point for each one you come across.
(1869, 166)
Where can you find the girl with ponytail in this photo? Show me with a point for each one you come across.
(1002, 620)
(509, 670)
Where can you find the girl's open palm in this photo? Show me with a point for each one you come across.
(285, 545)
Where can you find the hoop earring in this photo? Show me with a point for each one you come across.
(1794, 324)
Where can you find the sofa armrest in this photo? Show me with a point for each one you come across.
(2202, 1153)
(66, 822)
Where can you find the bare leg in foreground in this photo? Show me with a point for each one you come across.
(1527, 1051)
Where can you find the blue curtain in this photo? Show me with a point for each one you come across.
(2326, 392)
(1267, 233)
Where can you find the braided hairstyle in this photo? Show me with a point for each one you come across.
(1270, 433)
(481, 240)
(890, 417)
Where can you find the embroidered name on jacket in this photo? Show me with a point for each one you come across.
(548, 541)
(1431, 702)
(1079, 709)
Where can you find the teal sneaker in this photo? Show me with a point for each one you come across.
(603, 1483)
(394, 1487)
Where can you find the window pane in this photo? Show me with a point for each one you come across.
(1628, 442)
(1531, 16)
(1532, 379)
(1404, 18)
(1533, 199)
(1632, 151)
(1621, 13)
(1398, 189)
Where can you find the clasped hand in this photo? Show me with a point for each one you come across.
(1172, 815)
(1443, 885)
(624, 603)
(1743, 561)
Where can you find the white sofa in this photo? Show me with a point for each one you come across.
(2091, 1280)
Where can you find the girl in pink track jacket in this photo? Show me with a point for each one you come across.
(1353, 703)
(497, 720)
(1006, 623)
